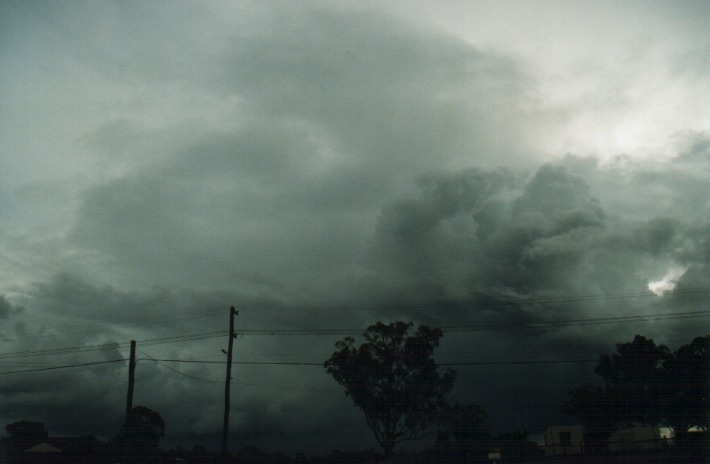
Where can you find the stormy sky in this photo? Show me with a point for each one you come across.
(531, 176)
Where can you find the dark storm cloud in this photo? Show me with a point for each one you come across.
(342, 114)
(72, 296)
(474, 246)
(92, 407)
(388, 93)
(7, 309)
(494, 250)
(480, 233)
(107, 318)
(307, 158)
(91, 399)
(487, 247)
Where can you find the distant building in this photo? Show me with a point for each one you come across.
(40, 450)
(635, 438)
(562, 440)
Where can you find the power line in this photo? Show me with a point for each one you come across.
(513, 363)
(64, 350)
(92, 328)
(308, 363)
(177, 371)
(195, 361)
(478, 327)
(63, 366)
(26, 363)
(502, 302)
(111, 346)
(279, 363)
(583, 322)
(319, 332)
(283, 387)
(183, 338)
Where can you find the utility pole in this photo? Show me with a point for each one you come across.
(131, 383)
(129, 450)
(225, 428)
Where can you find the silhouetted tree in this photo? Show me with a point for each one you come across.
(252, 455)
(520, 435)
(688, 388)
(198, 454)
(462, 423)
(645, 383)
(141, 435)
(23, 435)
(636, 379)
(393, 378)
(635, 382)
(147, 427)
(593, 406)
(26, 429)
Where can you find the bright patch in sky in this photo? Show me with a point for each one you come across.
(668, 282)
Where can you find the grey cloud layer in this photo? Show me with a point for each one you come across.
(470, 240)
(342, 114)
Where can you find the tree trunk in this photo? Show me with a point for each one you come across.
(388, 448)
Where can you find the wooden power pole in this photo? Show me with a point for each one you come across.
(131, 383)
(225, 428)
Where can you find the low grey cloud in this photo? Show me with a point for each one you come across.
(503, 233)
(297, 184)
(6, 308)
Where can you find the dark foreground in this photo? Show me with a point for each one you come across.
(647, 458)
(651, 457)
(658, 457)
(58, 451)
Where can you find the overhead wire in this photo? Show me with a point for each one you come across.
(93, 327)
(62, 366)
(507, 325)
(503, 301)
(582, 322)
(177, 371)
(163, 362)
(459, 328)
(112, 345)
(319, 332)
(320, 364)
(539, 325)
(439, 306)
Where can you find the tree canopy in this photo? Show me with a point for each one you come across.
(393, 378)
(26, 429)
(147, 423)
(594, 407)
(636, 377)
(688, 390)
(462, 423)
(645, 383)
(141, 435)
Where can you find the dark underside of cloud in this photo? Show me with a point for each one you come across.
(489, 255)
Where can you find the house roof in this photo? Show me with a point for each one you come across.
(43, 448)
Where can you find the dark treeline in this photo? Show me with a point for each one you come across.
(393, 379)
(647, 384)
(405, 395)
